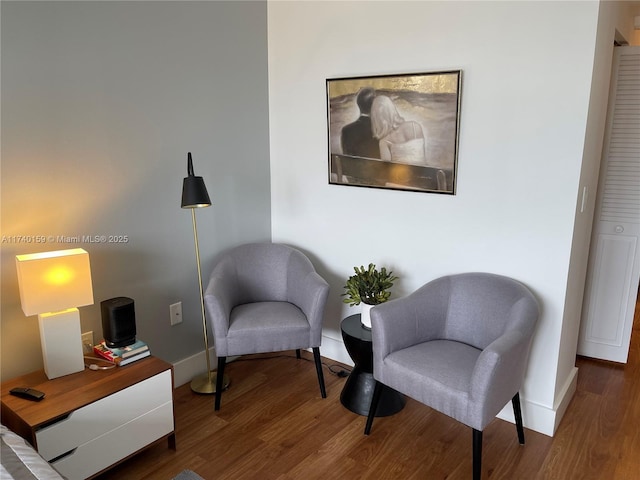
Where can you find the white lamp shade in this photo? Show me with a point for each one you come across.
(54, 281)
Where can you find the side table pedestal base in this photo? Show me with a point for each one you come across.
(358, 390)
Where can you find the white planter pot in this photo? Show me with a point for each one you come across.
(365, 316)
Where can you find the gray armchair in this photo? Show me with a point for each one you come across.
(265, 297)
(458, 344)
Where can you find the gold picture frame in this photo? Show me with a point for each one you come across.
(397, 132)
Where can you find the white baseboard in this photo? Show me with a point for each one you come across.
(335, 350)
(566, 394)
(541, 418)
(536, 417)
(186, 369)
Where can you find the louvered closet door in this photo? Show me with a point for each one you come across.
(614, 261)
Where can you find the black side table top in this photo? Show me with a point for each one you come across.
(353, 327)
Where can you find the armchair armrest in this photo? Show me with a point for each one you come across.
(498, 374)
(394, 326)
(313, 304)
(403, 322)
(219, 300)
(310, 295)
(308, 291)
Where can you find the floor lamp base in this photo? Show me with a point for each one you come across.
(206, 384)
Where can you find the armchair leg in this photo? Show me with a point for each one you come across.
(477, 454)
(517, 413)
(316, 357)
(375, 398)
(298, 354)
(220, 381)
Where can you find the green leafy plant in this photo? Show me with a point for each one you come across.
(368, 285)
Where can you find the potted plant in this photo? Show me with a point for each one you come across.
(369, 287)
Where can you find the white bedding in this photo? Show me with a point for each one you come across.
(20, 461)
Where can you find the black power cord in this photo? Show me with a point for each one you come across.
(339, 373)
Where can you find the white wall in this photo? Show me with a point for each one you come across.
(527, 69)
(614, 22)
(101, 101)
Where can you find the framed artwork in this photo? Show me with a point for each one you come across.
(395, 131)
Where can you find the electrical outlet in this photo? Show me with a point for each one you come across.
(175, 310)
(87, 342)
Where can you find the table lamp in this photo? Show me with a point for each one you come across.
(195, 195)
(52, 285)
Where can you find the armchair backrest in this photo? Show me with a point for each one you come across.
(264, 271)
(483, 306)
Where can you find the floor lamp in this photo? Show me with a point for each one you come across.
(194, 195)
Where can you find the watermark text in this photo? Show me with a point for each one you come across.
(65, 239)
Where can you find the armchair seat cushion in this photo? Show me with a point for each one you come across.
(261, 327)
(436, 373)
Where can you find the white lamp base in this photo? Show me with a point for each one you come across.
(61, 342)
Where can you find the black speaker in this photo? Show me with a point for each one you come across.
(118, 322)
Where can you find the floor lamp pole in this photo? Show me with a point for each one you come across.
(203, 383)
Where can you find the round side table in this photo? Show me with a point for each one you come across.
(358, 389)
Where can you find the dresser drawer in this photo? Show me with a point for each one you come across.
(105, 450)
(105, 415)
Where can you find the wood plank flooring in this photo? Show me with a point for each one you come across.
(273, 425)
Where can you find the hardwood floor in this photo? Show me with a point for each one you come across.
(273, 425)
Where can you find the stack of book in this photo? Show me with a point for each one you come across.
(123, 355)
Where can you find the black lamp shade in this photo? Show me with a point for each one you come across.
(194, 191)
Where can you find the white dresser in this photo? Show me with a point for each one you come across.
(91, 420)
